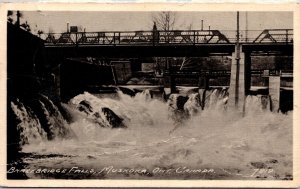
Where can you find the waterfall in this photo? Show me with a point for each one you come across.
(56, 124)
(257, 104)
(28, 126)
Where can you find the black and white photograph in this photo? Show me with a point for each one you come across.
(149, 95)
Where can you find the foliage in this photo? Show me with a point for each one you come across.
(40, 32)
(9, 16)
(26, 26)
(165, 20)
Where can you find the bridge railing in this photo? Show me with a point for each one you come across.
(136, 37)
(209, 73)
(222, 73)
(272, 72)
(276, 36)
(189, 37)
(261, 36)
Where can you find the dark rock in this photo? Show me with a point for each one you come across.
(273, 161)
(128, 91)
(258, 165)
(114, 120)
(85, 106)
(180, 101)
(265, 100)
(90, 157)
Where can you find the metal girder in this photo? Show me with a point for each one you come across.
(136, 38)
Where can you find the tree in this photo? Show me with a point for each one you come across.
(9, 16)
(40, 32)
(165, 20)
(26, 26)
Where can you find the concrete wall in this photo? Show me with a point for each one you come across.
(274, 92)
(237, 85)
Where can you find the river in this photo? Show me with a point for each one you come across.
(146, 137)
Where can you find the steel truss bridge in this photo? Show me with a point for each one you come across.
(175, 43)
(167, 38)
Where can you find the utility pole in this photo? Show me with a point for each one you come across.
(237, 51)
(246, 32)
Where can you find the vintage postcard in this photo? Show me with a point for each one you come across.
(152, 95)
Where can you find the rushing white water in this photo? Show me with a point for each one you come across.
(57, 125)
(159, 136)
(29, 126)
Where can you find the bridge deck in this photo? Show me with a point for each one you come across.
(172, 37)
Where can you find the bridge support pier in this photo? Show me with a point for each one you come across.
(169, 82)
(173, 84)
(237, 82)
(247, 73)
(274, 92)
(203, 82)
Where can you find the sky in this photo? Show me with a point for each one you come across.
(56, 22)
